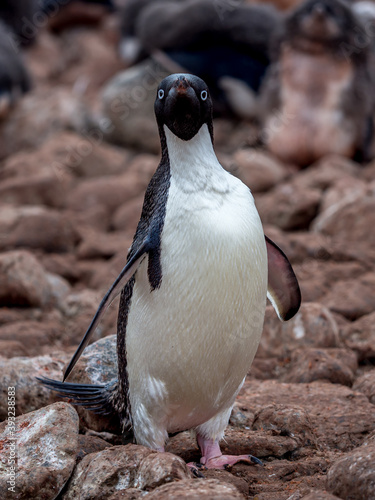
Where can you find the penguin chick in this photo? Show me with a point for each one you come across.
(316, 98)
(193, 289)
(14, 78)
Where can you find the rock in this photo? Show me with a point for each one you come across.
(128, 106)
(83, 155)
(258, 169)
(47, 442)
(334, 365)
(41, 114)
(313, 326)
(292, 421)
(90, 444)
(341, 418)
(360, 337)
(144, 166)
(78, 309)
(11, 348)
(351, 218)
(319, 495)
(210, 489)
(103, 245)
(326, 172)
(33, 335)
(353, 475)
(39, 189)
(110, 192)
(352, 298)
(117, 468)
(127, 215)
(318, 277)
(36, 228)
(21, 373)
(23, 280)
(366, 384)
(287, 207)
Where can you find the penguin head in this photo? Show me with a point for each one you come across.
(322, 20)
(183, 104)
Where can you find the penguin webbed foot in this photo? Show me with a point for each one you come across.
(212, 458)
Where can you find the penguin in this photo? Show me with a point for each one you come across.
(193, 291)
(14, 76)
(316, 98)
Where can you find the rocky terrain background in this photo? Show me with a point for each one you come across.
(69, 204)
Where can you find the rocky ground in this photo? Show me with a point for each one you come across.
(69, 204)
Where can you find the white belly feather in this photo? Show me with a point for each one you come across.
(191, 342)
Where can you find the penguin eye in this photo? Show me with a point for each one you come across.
(161, 93)
(204, 95)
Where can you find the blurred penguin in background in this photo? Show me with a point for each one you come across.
(317, 97)
(213, 39)
(14, 77)
(18, 16)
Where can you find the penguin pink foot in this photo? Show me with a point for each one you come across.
(212, 458)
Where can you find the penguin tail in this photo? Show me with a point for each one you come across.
(97, 398)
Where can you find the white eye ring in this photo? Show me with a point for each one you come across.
(161, 93)
(204, 95)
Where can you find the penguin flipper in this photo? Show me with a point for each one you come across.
(115, 289)
(283, 288)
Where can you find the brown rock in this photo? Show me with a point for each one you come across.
(36, 227)
(120, 467)
(128, 494)
(41, 114)
(313, 326)
(32, 334)
(316, 278)
(334, 365)
(340, 417)
(144, 166)
(351, 218)
(90, 444)
(366, 384)
(47, 441)
(128, 106)
(21, 373)
(23, 280)
(287, 207)
(360, 337)
(210, 489)
(99, 245)
(78, 309)
(127, 215)
(83, 155)
(110, 192)
(352, 298)
(64, 265)
(319, 495)
(39, 189)
(258, 169)
(11, 348)
(353, 475)
(292, 421)
(326, 172)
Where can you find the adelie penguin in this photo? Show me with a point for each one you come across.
(193, 291)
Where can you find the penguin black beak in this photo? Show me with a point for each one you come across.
(181, 89)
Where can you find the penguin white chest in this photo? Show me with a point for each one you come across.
(194, 338)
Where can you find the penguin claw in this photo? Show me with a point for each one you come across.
(256, 460)
(196, 468)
